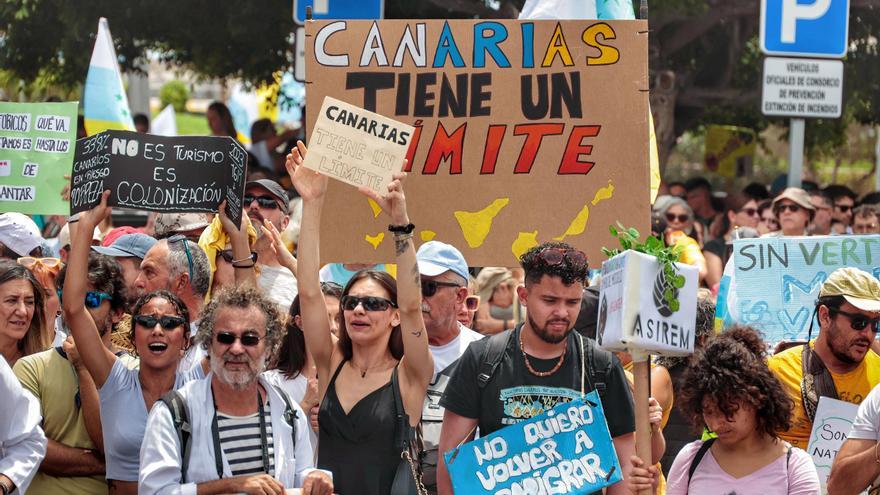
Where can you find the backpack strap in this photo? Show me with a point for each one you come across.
(492, 355)
(599, 363)
(290, 414)
(180, 417)
(699, 457)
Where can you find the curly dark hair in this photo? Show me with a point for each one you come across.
(241, 297)
(703, 330)
(568, 269)
(105, 275)
(179, 307)
(732, 370)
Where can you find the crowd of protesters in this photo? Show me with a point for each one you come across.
(194, 356)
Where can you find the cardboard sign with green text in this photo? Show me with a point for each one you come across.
(524, 131)
(36, 151)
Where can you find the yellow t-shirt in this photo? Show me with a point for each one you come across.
(52, 380)
(851, 387)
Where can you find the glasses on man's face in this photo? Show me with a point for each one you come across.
(430, 287)
(370, 303)
(92, 299)
(555, 256)
(229, 338)
(472, 303)
(843, 208)
(794, 208)
(166, 322)
(182, 238)
(30, 262)
(857, 321)
(262, 201)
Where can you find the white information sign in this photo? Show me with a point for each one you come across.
(356, 146)
(800, 87)
(642, 308)
(833, 421)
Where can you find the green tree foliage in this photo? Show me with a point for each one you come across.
(174, 93)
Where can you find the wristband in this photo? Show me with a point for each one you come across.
(402, 229)
(251, 257)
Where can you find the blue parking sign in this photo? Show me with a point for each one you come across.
(805, 28)
(338, 9)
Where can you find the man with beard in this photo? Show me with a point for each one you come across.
(839, 363)
(539, 362)
(444, 278)
(265, 199)
(67, 395)
(244, 435)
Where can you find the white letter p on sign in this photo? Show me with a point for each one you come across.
(792, 12)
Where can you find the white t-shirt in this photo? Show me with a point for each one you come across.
(296, 389)
(278, 284)
(446, 354)
(866, 426)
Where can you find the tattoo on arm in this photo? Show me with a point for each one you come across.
(417, 277)
(400, 246)
(417, 334)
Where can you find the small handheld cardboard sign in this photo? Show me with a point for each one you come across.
(36, 149)
(356, 146)
(831, 426)
(636, 308)
(159, 173)
(566, 450)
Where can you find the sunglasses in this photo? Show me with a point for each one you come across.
(671, 217)
(843, 208)
(555, 256)
(262, 201)
(166, 322)
(370, 303)
(30, 262)
(472, 303)
(182, 238)
(93, 299)
(247, 340)
(751, 212)
(858, 322)
(790, 207)
(430, 287)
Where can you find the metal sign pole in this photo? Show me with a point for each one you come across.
(795, 152)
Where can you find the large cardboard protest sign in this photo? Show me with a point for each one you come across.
(36, 149)
(356, 146)
(525, 131)
(158, 173)
(833, 421)
(641, 307)
(776, 280)
(567, 447)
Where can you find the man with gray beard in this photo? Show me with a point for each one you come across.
(244, 435)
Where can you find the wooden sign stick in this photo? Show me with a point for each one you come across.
(641, 391)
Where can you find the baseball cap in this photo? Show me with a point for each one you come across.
(19, 233)
(858, 287)
(435, 257)
(274, 189)
(128, 245)
(796, 194)
(168, 224)
(64, 235)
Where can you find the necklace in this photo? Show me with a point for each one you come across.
(542, 374)
(365, 370)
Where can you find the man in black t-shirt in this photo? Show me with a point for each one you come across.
(543, 364)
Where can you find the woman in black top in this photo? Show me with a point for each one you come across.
(381, 331)
(739, 211)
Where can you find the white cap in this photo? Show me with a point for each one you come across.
(19, 233)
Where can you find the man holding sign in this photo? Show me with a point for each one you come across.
(522, 373)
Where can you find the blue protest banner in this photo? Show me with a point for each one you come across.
(565, 450)
(776, 280)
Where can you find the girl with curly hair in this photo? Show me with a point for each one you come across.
(729, 391)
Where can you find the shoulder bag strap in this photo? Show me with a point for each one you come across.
(402, 432)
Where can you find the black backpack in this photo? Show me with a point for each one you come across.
(598, 361)
(180, 417)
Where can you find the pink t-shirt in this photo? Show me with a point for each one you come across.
(798, 478)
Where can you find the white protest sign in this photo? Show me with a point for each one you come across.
(357, 146)
(643, 308)
(833, 421)
(797, 87)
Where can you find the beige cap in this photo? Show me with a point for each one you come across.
(796, 194)
(858, 287)
(168, 224)
(489, 278)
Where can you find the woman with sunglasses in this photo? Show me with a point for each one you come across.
(381, 335)
(682, 230)
(767, 219)
(46, 270)
(22, 312)
(794, 212)
(159, 334)
(740, 211)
